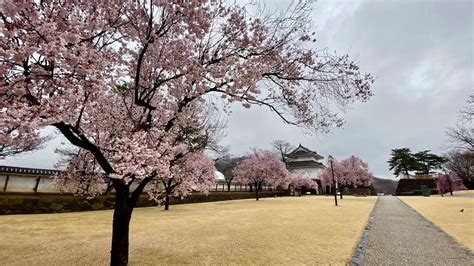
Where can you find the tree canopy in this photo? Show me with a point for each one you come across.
(462, 164)
(261, 167)
(426, 162)
(448, 182)
(351, 171)
(129, 83)
(402, 161)
(422, 162)
(282, 148)
(461, 135)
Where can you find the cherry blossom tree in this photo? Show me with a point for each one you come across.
(261, 168)
(448, 182)
(194, 172)
(326, 175)
(299, 180)
(350, 172)
(125, 82)
(356, 173)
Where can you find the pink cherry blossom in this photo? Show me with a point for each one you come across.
(297, 180)
(448, 182)
(261, 168)
(350, 172)
(128, 83)
(193, 172)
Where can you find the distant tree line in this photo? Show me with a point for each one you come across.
(460, 158)
(457, 164)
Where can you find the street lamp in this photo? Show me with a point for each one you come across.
(330, 160)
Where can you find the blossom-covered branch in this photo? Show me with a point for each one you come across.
(261, 168)
(122, 79)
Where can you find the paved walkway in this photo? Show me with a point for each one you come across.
(400, 236)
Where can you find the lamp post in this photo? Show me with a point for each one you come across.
(331, 159)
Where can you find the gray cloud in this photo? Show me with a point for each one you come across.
(420, 52)
(42, 158)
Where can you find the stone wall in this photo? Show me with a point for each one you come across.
(407, 187)
(56, 203)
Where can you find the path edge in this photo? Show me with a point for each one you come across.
(359, 252)
(461, 246)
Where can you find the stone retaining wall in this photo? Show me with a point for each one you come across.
(56, 203)
(410, 187)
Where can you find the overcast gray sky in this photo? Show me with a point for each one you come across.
(422, 55)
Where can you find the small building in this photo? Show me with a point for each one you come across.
(307, 161)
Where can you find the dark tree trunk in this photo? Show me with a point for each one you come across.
(450, 186)
(228, 187)
(251, 188)
(167, 201)
(124, 204)
(120, 227)
(256, 192)
(341, 189)
(168, 189)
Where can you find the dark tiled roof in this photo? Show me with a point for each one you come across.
(303, 151)
(305, 164)
(24, 170)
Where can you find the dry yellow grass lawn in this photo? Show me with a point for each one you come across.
(461, 192)
(306, 230)
(445, 213)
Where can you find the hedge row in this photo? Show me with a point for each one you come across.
(56, 203)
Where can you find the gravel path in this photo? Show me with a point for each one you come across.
(401, 236)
